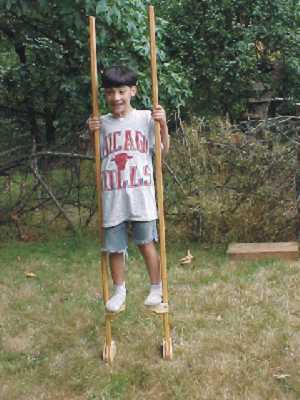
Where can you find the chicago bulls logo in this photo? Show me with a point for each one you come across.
(121, 160)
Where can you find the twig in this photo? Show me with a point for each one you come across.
(48, 190)
(34, 168)
(174, 176)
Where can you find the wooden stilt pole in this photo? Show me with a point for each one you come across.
(109, 349)
(167, 341)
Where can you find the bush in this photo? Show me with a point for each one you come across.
(232, 185)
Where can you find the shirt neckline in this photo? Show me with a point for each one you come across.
(122, 118)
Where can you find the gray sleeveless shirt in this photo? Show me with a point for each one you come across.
(127, 146)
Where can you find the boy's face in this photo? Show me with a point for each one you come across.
(119, 98)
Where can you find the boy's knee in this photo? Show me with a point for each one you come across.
(148, 243)
(147, 247)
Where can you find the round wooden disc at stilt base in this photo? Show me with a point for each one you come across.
(167, 349)
(109, 352)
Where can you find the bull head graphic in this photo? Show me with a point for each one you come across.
(121, 160)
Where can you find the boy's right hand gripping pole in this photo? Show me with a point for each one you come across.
(109, 349)
(167, 348)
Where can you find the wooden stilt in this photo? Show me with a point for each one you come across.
(167, 341)
(109, 349)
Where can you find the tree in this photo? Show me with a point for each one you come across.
(46, 76)
(229, 45)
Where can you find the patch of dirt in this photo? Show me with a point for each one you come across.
(19, 343)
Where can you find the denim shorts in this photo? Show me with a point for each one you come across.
(116, 237)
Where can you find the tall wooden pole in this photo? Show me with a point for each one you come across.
(109, 348)
(159, 183)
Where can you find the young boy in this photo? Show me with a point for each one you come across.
(127, 143)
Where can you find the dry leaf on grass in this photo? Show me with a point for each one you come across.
(187, 259)
(281, 376)
(30, 275)
(98, 296)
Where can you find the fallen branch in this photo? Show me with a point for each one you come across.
(48, 190)
(34, 168)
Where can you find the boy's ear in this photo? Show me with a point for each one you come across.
(133, 90)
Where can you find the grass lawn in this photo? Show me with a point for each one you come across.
(236, 328)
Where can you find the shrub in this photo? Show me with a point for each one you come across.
(229, 184)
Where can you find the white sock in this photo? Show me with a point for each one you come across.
(120, 288)
(156, 286)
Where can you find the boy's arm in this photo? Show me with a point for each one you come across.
(159, 115)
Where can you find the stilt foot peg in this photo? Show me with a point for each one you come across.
(161, 308)
(113, 315)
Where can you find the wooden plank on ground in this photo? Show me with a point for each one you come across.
(260, 251)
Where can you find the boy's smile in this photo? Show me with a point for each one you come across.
(119, 99)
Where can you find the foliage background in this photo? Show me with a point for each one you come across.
(230, 48)
(212, 56)
(45, 62)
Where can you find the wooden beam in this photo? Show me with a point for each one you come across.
(259, 251)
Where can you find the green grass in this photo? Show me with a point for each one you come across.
(235, 327)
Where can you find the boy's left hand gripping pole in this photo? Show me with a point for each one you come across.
(109, 349)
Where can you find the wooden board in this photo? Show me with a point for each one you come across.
(260, 251)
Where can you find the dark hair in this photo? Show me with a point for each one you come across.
(118, 75)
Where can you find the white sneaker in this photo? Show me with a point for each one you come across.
(117, 302)
(154, 298)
